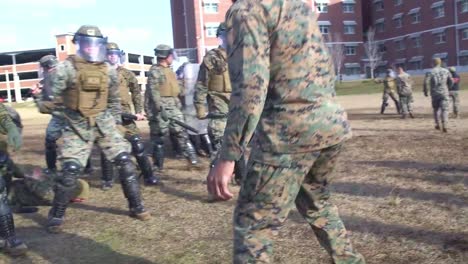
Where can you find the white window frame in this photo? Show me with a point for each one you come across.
(465, 33)
(322, 7)
(400, 44)
(379, 6)
(350, 50)
(398, 2)
(416, 15)
(211, 6)
(349, 32)
(210, 29)
(441, 38)
(417, 42)
(348, 8)
(324, 29)
(464, 6)
(398, 22)
(439, 11)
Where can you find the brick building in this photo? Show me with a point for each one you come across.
(412, 33)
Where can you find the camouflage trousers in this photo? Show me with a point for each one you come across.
(389, 94)
(216, 131)
(406, 104)
(55, 128)
(75, 148)
(160, 128)
(273, 185)
(440, 104)
(455, 98)
(131, 129)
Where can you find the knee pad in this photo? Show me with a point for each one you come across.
(138, 147)
(122, 159)
(71, 171)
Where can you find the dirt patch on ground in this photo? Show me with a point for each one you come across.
(401, 187)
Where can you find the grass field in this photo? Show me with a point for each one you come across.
(400, 185)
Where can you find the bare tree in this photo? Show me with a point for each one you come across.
(371, 47)
(336, 48)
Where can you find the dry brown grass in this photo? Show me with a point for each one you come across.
(401, 187)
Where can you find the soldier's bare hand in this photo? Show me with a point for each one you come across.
(36, 89)
(140, 117)
(218, 179)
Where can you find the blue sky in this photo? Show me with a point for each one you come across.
(137, 25)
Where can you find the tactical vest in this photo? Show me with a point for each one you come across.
(123, 87)
(89, 92)
(170, 88)
(219, 80)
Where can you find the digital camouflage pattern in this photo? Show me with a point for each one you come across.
(389, 91)
(214, 63)
(438, 80)
(283, 94)
(171, 104)
(128, 85)
(80, 133)
(454, 93)
(405, 91)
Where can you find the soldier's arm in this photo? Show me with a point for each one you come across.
(450, 80)
(427, 80)
(155, 79)
(60, 78)
(201, 91)
(6, 123)
(135, 90)
(113, 99)
(249, 68)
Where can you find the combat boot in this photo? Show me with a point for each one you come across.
(437, 127)
(175, 146)
(403, 116)
(444, 128)
(207, 142)
(411, 115)
(382, 108)
(138, 150)
(11, 244)
(56, 218)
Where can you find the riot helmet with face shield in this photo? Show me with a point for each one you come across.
(90, 44)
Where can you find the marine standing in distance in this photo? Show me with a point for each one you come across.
(405, 91)
(454, 92)
(389, 91)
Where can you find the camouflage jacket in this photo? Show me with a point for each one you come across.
(282, 81)
(6, 122)
(439, 80)
(218, 102)
(128, 83)
(389, 84)
(153, 102)
(404, 84)
(64, 79)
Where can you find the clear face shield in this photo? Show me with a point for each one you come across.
(222, 40)
(92, 49)
(116, 57)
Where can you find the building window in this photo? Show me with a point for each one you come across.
(350, 29)
(379, 6)
(400, 45)
(464, 60)
(417, 42)
(352, 71)
(382, 48)
(398, 2)
(349, 8)
(380, 27)
(211, 30)
(350, 50)
(464, 6)
(398, 22)
(210, 7)
(416, 65)
(439, 11)
(440, 38)
(324, 29)
(322, 7)
(465, 33)
(416, 17)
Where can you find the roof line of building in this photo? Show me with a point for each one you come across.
(424, 31)
(25, 51)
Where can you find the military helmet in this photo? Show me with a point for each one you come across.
(452, 69)
(112, 46)
(163, 51)
(87, 31)
(114, 54)
(221, 29)
(48, 61)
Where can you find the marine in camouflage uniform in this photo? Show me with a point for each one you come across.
(454, 92)
(162, 103)
(283, 95)
(405, 91)
(214, 86)
(389, 91)
(9, 135)
(439, 80)
(128, 84)
(47, 104)
(89, 88)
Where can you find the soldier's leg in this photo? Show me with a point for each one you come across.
(53, 133)
(107, 170)
(314, 205)
(456, 103)
(75, 152)
(10, 243)
(175, 145)
(384, 102)
(444, 105)
(404, 106)
(266, 197)
(410, 106)
(138, 150)
(158, 130)
(116, 147)
(435, 111)
(395, 100)
(182, 137)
